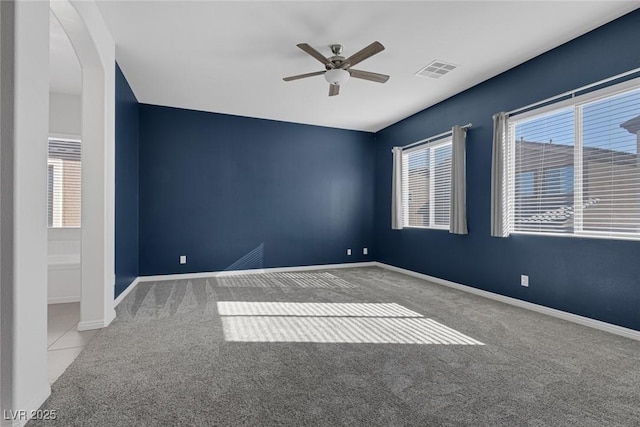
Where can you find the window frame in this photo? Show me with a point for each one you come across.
(576, 103)
(431, 146)
(57, 170)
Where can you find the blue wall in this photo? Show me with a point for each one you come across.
(236, 192)
(594, 278)
(126, 226)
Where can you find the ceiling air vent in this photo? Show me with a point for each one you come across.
(436, 69)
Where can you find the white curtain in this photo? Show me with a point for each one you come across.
(458, 212)
(499, 189)
(396, 192)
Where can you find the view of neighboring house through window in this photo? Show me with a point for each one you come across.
(576, 170)
(63, 183)
(426, 185)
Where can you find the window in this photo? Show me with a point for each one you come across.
(63, 183)
(524, 183)
(426, 185)
(574, 168)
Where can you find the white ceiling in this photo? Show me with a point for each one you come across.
(230, 57)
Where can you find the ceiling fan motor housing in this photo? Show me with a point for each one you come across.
(336, 49)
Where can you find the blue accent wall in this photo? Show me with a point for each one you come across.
(126, 176)
(232, 192)
(596, 278)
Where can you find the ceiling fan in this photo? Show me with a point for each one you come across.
(338, 69)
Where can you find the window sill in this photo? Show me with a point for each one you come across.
(415, 227)
(580, 235)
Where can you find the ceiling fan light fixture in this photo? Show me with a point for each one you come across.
(337, 76)
(338, 69)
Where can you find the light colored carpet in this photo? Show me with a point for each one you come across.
(361, 346)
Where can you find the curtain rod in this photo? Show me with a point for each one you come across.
(573, 92)
(432, 138)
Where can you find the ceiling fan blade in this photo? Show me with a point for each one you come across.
(311, 51)
(368, 75)
(302, 76)
(334, 90)
(367, 52)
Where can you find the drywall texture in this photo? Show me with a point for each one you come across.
(28, 386)
(65, 114)
(126, 135)
(236, 193)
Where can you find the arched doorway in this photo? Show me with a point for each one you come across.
(95, 50)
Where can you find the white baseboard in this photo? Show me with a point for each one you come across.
(254, 271)
(63, 300)
(87, 325)
(126, 291)
(581, 320)
(33, 406)
(238, 273)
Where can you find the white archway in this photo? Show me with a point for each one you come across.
(24, 89)
(95, 49)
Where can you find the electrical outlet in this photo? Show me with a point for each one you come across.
(183, 259)
(348, 251)
(524, 280)
(365, 251)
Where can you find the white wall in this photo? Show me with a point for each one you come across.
(31, 93)
(65, 114)
(64, 273)
(64, 277)
(26, 387)
(6, 206)
(95, 49)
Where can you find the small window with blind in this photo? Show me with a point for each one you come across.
(64, 169)
(426, 185)
(575, 169)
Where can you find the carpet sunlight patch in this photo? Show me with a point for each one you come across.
(365, 323)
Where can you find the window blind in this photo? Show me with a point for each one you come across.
(576, 169)
(64, 170)
(426, 185)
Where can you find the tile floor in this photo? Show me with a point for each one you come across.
(64, 342)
